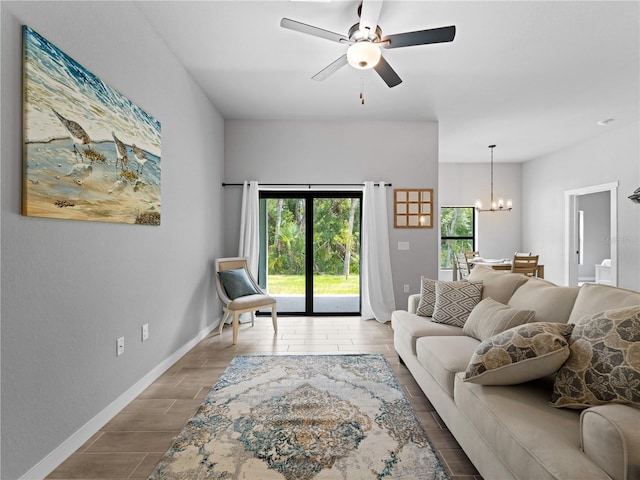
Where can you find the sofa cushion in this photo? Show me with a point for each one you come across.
(427, 298)
(443, 357)
(408, 327)
(594, 298)
(534, 440)
(489, 318)
(455, 300)
(604, 363)
(520, 354)
(610, 436)
(551, 302)
(496, 284)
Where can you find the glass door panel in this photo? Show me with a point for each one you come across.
(336, 255)
(286, 253)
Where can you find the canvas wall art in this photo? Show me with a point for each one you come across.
(89, 152)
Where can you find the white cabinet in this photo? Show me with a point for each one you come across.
(603, 272)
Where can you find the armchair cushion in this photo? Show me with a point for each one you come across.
(236, 283)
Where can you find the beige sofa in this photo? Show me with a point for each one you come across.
(512, 432)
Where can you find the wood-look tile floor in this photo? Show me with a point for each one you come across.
(134, 441)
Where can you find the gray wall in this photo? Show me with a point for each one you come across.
(609, 157)
(461, 184)
(403, 153)
(597, 229)
(69, 289)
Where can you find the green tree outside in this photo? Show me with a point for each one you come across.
(456, 230)
(336, 242)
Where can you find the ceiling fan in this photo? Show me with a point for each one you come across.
(365, 39)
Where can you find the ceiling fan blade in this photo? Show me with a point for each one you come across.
(311, 30)
(421, 37)
(369, 16)
(387, 73)
(330, 69)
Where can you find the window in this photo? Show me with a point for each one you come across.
(457, 233)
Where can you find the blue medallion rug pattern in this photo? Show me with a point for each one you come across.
(303, 417)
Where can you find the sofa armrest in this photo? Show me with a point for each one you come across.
(610, 436)
(412, 304)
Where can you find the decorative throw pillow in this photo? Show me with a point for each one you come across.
(236, 283)
(427, 298)
(499, 285)
(520, 354)
(604, 364)
(489, 318)
(455, 300)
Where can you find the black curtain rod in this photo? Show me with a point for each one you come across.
(305, 184)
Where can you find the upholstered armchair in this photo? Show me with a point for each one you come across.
(240, 293)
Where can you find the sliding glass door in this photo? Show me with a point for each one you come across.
(310, 251)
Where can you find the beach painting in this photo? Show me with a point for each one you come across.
(89, 152)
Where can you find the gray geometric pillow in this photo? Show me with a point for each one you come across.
(455, 300)
(427, 298)
(604, 361)
(520, 354)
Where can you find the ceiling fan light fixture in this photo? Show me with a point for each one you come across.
(363, 55)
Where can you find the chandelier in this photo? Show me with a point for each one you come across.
(498, 206)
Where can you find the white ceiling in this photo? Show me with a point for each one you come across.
(529, 76)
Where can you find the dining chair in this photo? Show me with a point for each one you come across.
(525, 264)
(240, 293)
(470, 256)
(462, 264)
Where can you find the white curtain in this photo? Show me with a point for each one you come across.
(249, 244)
(378, 300)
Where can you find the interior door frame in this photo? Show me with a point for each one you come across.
(571, 230)
(309, 196)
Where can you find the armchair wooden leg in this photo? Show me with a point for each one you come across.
(274, 318)
(236, 322)
(225, 314)
(253, 318)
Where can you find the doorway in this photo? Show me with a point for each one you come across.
(310, 251)
(591, 234)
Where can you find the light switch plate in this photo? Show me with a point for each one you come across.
(120, 346)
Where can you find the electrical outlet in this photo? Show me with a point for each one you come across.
(406, 288)
(145, 332)
(120, 346)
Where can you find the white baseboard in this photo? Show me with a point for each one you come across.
(49, 463)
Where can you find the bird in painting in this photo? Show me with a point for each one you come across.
(121, 151)
(141, 157)
(77, 133)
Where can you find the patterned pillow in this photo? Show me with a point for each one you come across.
(427, 298)
(489, 318)
(455, 300)
(520, 354)
(604, 364)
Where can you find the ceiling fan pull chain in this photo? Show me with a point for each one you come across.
(362, 90)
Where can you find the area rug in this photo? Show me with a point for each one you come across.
(302, 417)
